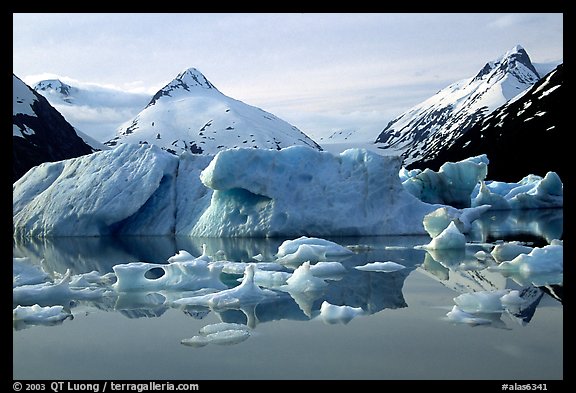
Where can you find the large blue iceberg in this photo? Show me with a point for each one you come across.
(142, 190)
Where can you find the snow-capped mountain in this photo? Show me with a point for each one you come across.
(191, 114)
(439, 121)
(97, 111)
(526, 135)
(39, 132)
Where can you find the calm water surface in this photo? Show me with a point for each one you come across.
(404, 333)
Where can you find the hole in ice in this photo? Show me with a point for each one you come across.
(154, 273)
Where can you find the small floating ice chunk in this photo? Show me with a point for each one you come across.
(544, 260)
(329, 248)
(195, 341)
(224, 337)
(177, 275)
(458, 316)
(385, 267)
(438, 220)
(221, 326)
(303, 280)
(181, 256)
(333, 314)
(270, 279)
(449, 238)
(304, 287)
(24, 273)
(508, 251)
(512, 299)
(328, 270)
(245, 293)
(305, 252)
(58, 292)
(40, 315)
(219, 333)
(481, 302)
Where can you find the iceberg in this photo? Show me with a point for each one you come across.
(185, 275)
(384, 267)
(541, 266)
(532, 192)
(222, 333)
(451, 185)
(301, 191)
(23, 316)
(329, 248)
(332, 314)
(449, 238)
(143, 190)
(247, 293)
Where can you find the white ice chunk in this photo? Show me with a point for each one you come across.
(544, 260)
(24, 273)
(328, 270)
(58, 292)
(182, 256)
(40, 315)
(190, 275)
(303, 280)
(304, 287)
(532, 192)
(452, 184)
(333, 314)
(305, 252)
(512, 299)
(438, 220)
(270, 279)
(221, 326)
(509, 250)
(481, 302)
(381, 267)
(458, 316)
(245, 293)
(449, 238)
(330, 248)
(224, 337)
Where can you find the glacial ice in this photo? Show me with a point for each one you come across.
(438, 220)
(296, 191)
(186, 275)
(245, 293)
(269, 290)
(385, 267)
(300, 191)
(541, 266)
(24, 273)
(220, 334)
(449, 238)
(36, 315)
(329, 248)
(451, 185)
(333, 314)
(58, 292)
(532, 192)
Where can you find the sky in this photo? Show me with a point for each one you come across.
(320, 72)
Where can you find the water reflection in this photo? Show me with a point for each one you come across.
(460, 270)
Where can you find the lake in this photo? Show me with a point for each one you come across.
(403, 332)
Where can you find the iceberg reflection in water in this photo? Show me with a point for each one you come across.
(233, 288)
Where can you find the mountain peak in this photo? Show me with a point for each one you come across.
(509, 63)
(186, 80)
(192, 77)
(53, 84)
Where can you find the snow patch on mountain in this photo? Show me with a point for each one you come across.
(440, 120)
(191, 114)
